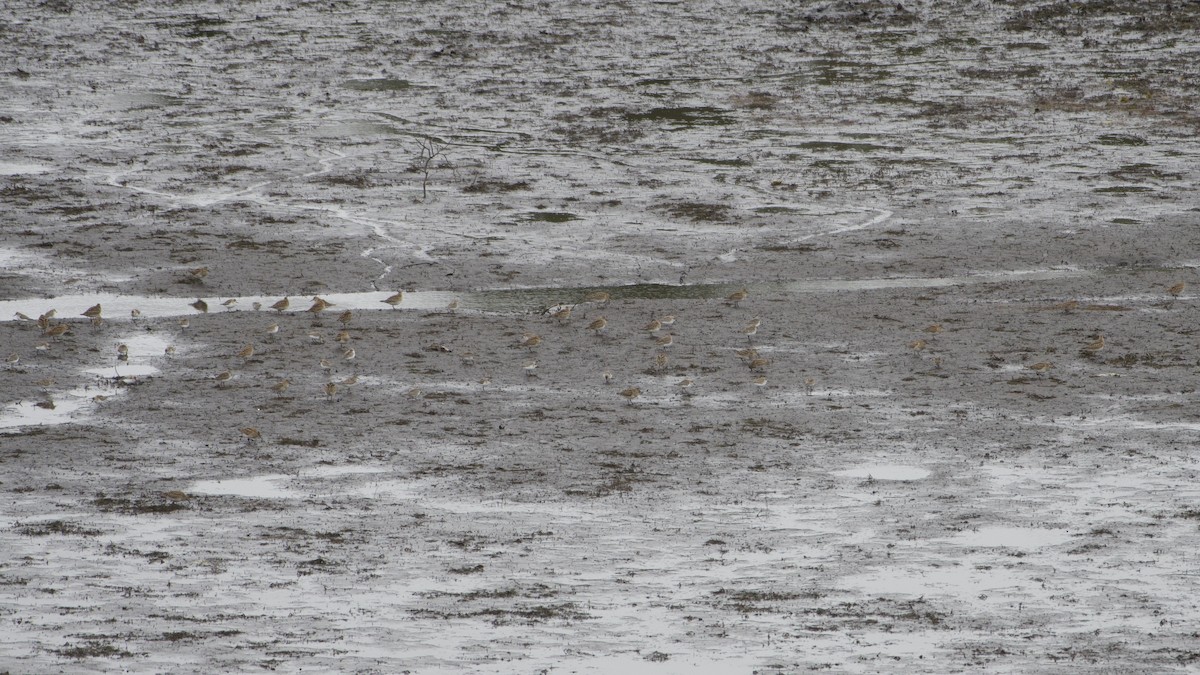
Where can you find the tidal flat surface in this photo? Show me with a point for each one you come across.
(896, 371)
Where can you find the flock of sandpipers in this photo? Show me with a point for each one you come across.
(659, 329)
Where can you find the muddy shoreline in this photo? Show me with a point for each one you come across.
(936, 212)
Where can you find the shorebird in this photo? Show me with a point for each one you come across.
(251, 434)
(598, 297)
(199, 272)
(666, 340)
(1042, 367)
(346, 317)
(319, 305)
(529, 368)
(760, 381)
(736, 297)
(350, 381)
(933, 329)
(315, 338)
(281, 386)
(123, 353)
(809, 384)
(247, 351)
(1094, 346)
(394, 299)
(653, 327)
(200, 306)
(685, 386)
(748, 354)
(342, 337)
(272, 330)
(13, 359)
(348, 355)
(21, 316)
(330, 390)
(281, 304)
(228, 304)
(184, 323)
(326, 364)
(1175, 291)
(530, 340)
(134, 313)
(598, 325)
(607, 375)
(758, 365)
(668, 320)
(57, 331)
(452, 305)
(631, 393)
(660, 362)
(223, 377)
(92, 312)
(918, 345)
(751, 328)
(562, 314)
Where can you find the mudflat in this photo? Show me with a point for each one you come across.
(896, 370)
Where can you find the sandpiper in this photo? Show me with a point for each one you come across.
(281, 304)
(1042, 367)
(1095, 345)
(319, 305)
(394, 299)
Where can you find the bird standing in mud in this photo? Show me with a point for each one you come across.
(1175, 291)
(281, 304)
(1042, 367)
(93, 313)
(319, 305)
(394, 299)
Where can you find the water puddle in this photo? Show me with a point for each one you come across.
(23, 168)
(898, 472)
(504, 300)
(953, 580)
(123, 372)
(1011, 537)
(39, 413)
(260, 487)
